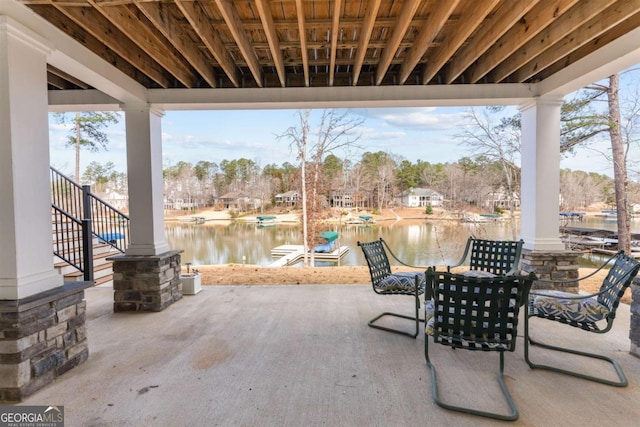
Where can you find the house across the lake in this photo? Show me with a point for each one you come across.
(420, 197)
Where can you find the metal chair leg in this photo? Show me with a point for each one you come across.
(513, 415)
(417, 319)
(527, 340)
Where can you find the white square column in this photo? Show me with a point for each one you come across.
(540, 151)
(26, 264)
(144, 170)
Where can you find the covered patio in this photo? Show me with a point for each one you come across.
(304, 356)
(145, 57)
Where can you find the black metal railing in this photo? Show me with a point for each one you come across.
(73, 241)
(75, 204)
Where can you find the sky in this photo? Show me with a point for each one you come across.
(427, 134)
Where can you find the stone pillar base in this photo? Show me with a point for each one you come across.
(41, 337)
(146, 282)
(561, 267)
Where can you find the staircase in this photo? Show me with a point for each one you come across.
(86, 231)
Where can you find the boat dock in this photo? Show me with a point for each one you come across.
(291, 254)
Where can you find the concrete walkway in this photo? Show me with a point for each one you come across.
(304, 356)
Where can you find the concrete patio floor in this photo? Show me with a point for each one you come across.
(304, 356)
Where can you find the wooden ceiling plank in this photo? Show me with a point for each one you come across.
(531, 25)
(565, 24)
(629, 24)
(446, 50)
(160, 16)
(57, 81)
(403, 23)
(211, 40)
(425, 37)
(272, 39)
(335, 28)
(302, 35)
(364, 37)
(67, 77)
(234, 22)
(505, 17)
(590, 30)
(148, 40)
(97, 26)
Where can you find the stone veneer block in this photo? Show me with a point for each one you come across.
(146, 283)
(561, 267)
(41, 337)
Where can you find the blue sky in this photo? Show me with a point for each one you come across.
(413, 133)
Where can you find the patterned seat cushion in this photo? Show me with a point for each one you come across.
(555, 304)
(478, 273)
(403, 281)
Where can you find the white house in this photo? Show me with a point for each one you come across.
(420, 197)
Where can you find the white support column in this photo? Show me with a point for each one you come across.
(540, 219)
(26, 264)
(144, 170)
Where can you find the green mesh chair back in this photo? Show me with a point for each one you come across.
(617, 281)
(499, 257)
(377, 260)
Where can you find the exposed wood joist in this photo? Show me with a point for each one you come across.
(472, 18)
(231, 17)
(405, 17)
(427, 33)
(191, 11)
(272, 38)
(150, 40)
(568, 22)
(335, 30)
(159, 15)
(365, 37)
(303, 40)
(66, 77)
(504, 19)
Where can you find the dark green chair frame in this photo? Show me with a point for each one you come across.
(499, 257)
(613, 287)
(380, 268)
(476, 314)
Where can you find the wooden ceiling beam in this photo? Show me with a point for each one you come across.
(590, 30)
(150, 40)
(504, 18)
(582, 11)
(527, 28)
(428, 32)
(57, 81)
(475, 14)
(67, 77)
(335, 28)
(165, 22)
(272, 39)
(302, 35)
(364, 37)
(99, 28)
(234, 23)
(210, 38)
(403, 22)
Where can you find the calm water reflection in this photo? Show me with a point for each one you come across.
(415, 242)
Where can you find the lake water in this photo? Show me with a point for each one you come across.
(416, 242)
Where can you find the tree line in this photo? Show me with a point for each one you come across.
(373, 181)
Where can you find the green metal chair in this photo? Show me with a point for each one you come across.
(591, 313)
(499, 257)
(385, 282)
(475, 313)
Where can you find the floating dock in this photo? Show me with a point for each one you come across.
(292, 254)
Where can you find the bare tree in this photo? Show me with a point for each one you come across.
(334, 130)
(496, 139)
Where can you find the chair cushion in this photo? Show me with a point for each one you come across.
(478, 273)
(555, 304)
(403, 281)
